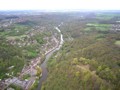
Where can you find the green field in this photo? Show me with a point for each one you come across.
(103, 28)
(117, 43)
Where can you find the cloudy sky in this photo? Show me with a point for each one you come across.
(59, 4)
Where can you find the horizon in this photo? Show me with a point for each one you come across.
(59, 5)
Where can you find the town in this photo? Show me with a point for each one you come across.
(31, 70)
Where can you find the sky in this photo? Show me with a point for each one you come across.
(59, 4)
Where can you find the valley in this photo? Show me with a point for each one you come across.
(60, 51)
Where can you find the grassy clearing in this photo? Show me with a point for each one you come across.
(105, 16)
(26, 76)
(88, 29)
(35, 85)
(100, 36)
(16, 37)
(117, 43)
(97, 27)
(15, 87)
(30, 54)
(16, 30)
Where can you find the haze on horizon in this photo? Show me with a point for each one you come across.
(59, 4)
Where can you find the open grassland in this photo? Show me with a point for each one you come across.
(117, 43)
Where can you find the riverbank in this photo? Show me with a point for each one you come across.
(48, 55)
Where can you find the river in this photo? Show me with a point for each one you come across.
(48, 55)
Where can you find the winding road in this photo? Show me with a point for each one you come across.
(48, 55)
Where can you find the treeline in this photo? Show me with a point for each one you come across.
(87, 61)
